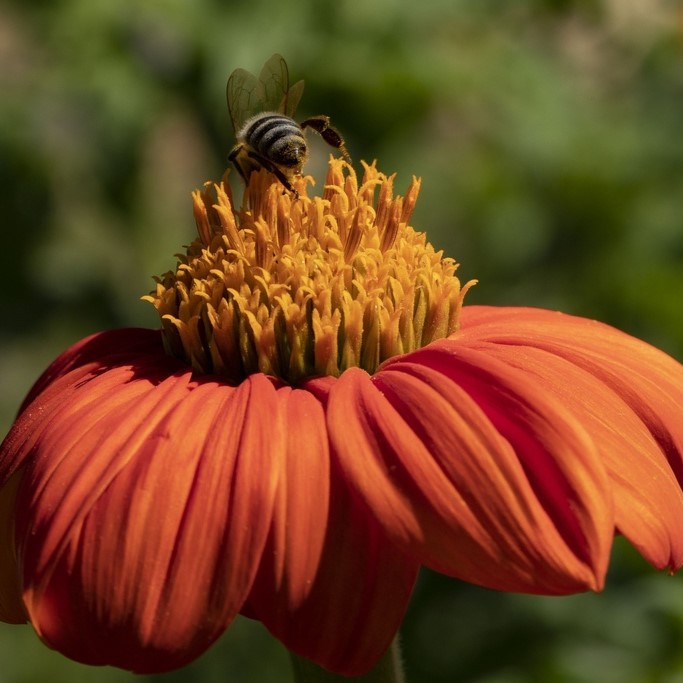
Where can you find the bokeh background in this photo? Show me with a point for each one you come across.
(548, 134)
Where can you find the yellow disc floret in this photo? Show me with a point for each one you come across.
(299, 287)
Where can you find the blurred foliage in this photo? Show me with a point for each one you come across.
(547, 133)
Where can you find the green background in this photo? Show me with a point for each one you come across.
(548, 136)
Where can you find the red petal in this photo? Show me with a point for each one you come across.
(11, 606)
(143, 514)
(627, 394)
(475, 471)
(352, 584)
(104, 350)
(122, 350)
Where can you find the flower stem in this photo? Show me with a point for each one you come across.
(389, 669)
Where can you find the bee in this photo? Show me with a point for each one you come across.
(261, 110)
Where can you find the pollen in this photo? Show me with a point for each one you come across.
(296, 287)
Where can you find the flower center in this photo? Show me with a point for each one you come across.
(299, 287)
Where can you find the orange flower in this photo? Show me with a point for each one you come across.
(318, 418)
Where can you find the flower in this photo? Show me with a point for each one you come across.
(318, 417)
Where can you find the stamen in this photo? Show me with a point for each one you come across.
(297, 287)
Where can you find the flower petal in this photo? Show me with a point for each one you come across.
(143, 513)
(104, 350)
(58, 387)
(11, 606)
(627, 394)
(358, 583)
(475, 471)
(297, 535)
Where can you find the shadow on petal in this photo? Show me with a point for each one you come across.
(626, 393)
(11, 606)
(361, 585)
(504, 494)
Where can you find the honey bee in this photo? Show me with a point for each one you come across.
(261, 111)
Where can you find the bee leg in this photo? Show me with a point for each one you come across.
(233, 158)
(321, 125)
(270, 166)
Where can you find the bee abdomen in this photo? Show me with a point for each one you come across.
(275, 137)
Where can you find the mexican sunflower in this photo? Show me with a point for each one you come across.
(317, 417)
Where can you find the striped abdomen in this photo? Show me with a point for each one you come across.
(275, 137)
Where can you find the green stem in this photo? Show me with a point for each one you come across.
(389, 669)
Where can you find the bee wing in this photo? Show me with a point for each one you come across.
(244, 93)
(248, 95)
(290, 101)
(275, 79)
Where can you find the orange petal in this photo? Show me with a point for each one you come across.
(60, 400)
(298, 529)
(475, 471)
(143, 515)
(358, 593)
(104, 350)
(627, 394)
(648, 499)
